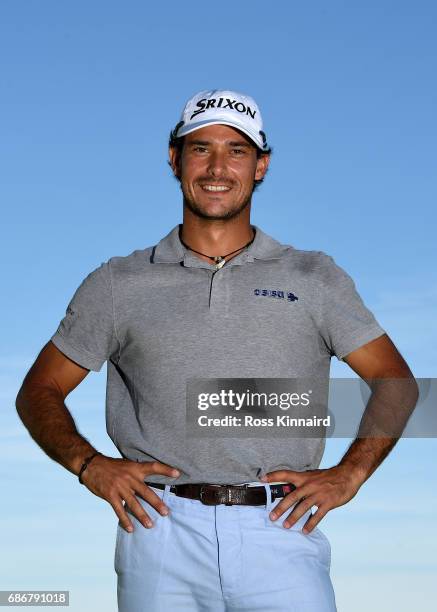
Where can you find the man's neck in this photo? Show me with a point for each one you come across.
(216, 238)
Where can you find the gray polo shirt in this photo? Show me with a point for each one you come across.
(161, 316)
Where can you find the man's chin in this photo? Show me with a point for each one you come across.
(214, 213)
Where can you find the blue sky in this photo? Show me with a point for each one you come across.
(89, 92)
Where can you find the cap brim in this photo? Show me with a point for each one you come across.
(192, 127)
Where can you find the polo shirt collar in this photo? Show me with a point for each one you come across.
(171, 250)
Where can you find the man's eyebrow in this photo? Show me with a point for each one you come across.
(239, 143)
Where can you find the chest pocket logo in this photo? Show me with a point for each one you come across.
(279, 294)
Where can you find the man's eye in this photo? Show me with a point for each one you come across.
(200, 149)
(238, 151)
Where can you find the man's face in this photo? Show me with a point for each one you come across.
(217, 169)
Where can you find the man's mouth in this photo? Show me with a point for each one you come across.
(215, 188)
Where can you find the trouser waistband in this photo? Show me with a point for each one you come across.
(214, 494)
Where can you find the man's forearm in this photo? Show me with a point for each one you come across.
(387, 412)
(365, 455)
(49, 422)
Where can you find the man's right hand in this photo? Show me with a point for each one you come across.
(116, 480)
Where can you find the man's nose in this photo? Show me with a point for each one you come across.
(216, 164)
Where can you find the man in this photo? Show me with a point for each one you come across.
(215, 298)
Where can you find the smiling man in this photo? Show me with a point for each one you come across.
(217, 172)
(220, 523)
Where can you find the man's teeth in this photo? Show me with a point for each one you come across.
(215, 187)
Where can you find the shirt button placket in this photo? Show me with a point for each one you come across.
(218, 303)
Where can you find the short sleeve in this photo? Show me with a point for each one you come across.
(87, 332)
(346, 322)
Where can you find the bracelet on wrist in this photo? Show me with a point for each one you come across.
(85, 464)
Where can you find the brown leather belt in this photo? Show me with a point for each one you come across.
(214, 494)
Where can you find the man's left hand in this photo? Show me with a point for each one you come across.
(326, 489)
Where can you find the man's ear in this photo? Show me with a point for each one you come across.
(262, 165)
(175, 160)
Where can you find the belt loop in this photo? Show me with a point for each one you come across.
(165, 492)
(269, 497)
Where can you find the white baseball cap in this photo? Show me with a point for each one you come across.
(224, 107)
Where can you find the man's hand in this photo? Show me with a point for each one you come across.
(116, 480)
(326, 489)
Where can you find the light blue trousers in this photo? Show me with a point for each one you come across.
(221, 558)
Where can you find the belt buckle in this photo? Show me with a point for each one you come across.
(228, 501)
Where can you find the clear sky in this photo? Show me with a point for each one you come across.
(88, 93)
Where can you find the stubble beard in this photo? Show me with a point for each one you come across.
(197, 210)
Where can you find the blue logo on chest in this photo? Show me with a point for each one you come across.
(276, 293)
